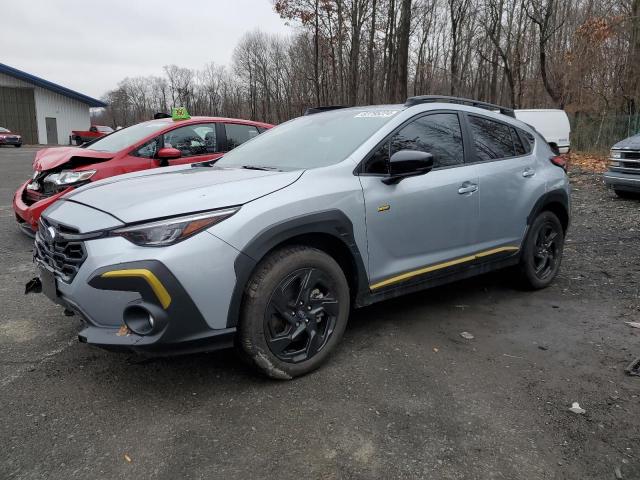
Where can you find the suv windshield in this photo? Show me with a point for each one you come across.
(127, 136)
(311, 141)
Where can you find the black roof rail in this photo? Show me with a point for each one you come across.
(411, 101)
(312, 110)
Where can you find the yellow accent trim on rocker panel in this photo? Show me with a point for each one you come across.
(438, 266)
(149, 277)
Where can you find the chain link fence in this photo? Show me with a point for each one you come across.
(596, 134)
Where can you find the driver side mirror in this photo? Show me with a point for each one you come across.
(408, 163)
(166, 154)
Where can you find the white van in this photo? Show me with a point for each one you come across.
(552, 124)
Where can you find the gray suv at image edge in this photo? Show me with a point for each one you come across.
(270, 247)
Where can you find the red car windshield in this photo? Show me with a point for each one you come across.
(127, 136)
(4, 130)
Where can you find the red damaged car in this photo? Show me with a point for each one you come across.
(151, 144)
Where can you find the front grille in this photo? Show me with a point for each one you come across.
(629, 162)
(63, 256)
(632, 155)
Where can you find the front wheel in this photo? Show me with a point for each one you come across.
(542, 252)
(18, 145)
(294, 312)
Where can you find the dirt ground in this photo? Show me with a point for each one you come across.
(405, 396)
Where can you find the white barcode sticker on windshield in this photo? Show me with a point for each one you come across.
(377, 114)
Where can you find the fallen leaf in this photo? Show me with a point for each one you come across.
(123, 331)
(467, 335)
(435, 349)
(633, 324)
(127, 458)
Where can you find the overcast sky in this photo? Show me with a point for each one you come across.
(90, 45)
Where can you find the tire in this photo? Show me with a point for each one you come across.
(542, 252)
(18, 145)
(78, 141)
(626, 194)
(276, 331)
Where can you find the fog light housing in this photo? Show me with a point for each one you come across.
(143, 319)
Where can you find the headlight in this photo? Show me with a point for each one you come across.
(68, 177)
(172, 230)
(615, 154)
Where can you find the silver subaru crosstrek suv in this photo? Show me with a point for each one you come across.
(270, 247)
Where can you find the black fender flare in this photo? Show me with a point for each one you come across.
(557, 196)
(332, 222)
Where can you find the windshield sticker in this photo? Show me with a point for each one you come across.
(377, 114)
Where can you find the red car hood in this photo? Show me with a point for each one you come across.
(49, 158)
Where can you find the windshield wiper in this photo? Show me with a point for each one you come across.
(259, 167)
(207, 163)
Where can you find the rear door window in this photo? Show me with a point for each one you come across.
(237, 134)
(492, 140)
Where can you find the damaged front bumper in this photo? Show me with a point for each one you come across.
(28, 211)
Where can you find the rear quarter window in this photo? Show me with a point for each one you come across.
(529, 140)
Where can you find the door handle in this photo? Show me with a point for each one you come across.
(467, 187)
(528, 172)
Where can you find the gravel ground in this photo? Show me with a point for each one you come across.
(404, 397)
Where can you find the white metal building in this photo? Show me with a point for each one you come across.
(41, 111)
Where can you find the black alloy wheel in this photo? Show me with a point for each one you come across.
(545, 256)
(295, 309)
(542, 251)
(301, 315)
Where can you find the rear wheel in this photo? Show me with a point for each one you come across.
(542, 252)
(294, 312)
(18, 145)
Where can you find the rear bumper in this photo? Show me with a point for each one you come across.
(622, 181)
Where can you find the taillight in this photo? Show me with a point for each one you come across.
(559, 161)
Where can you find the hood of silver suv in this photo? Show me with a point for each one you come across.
(179, 191)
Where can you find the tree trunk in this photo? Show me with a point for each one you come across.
(372, 39)
(403, 52)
